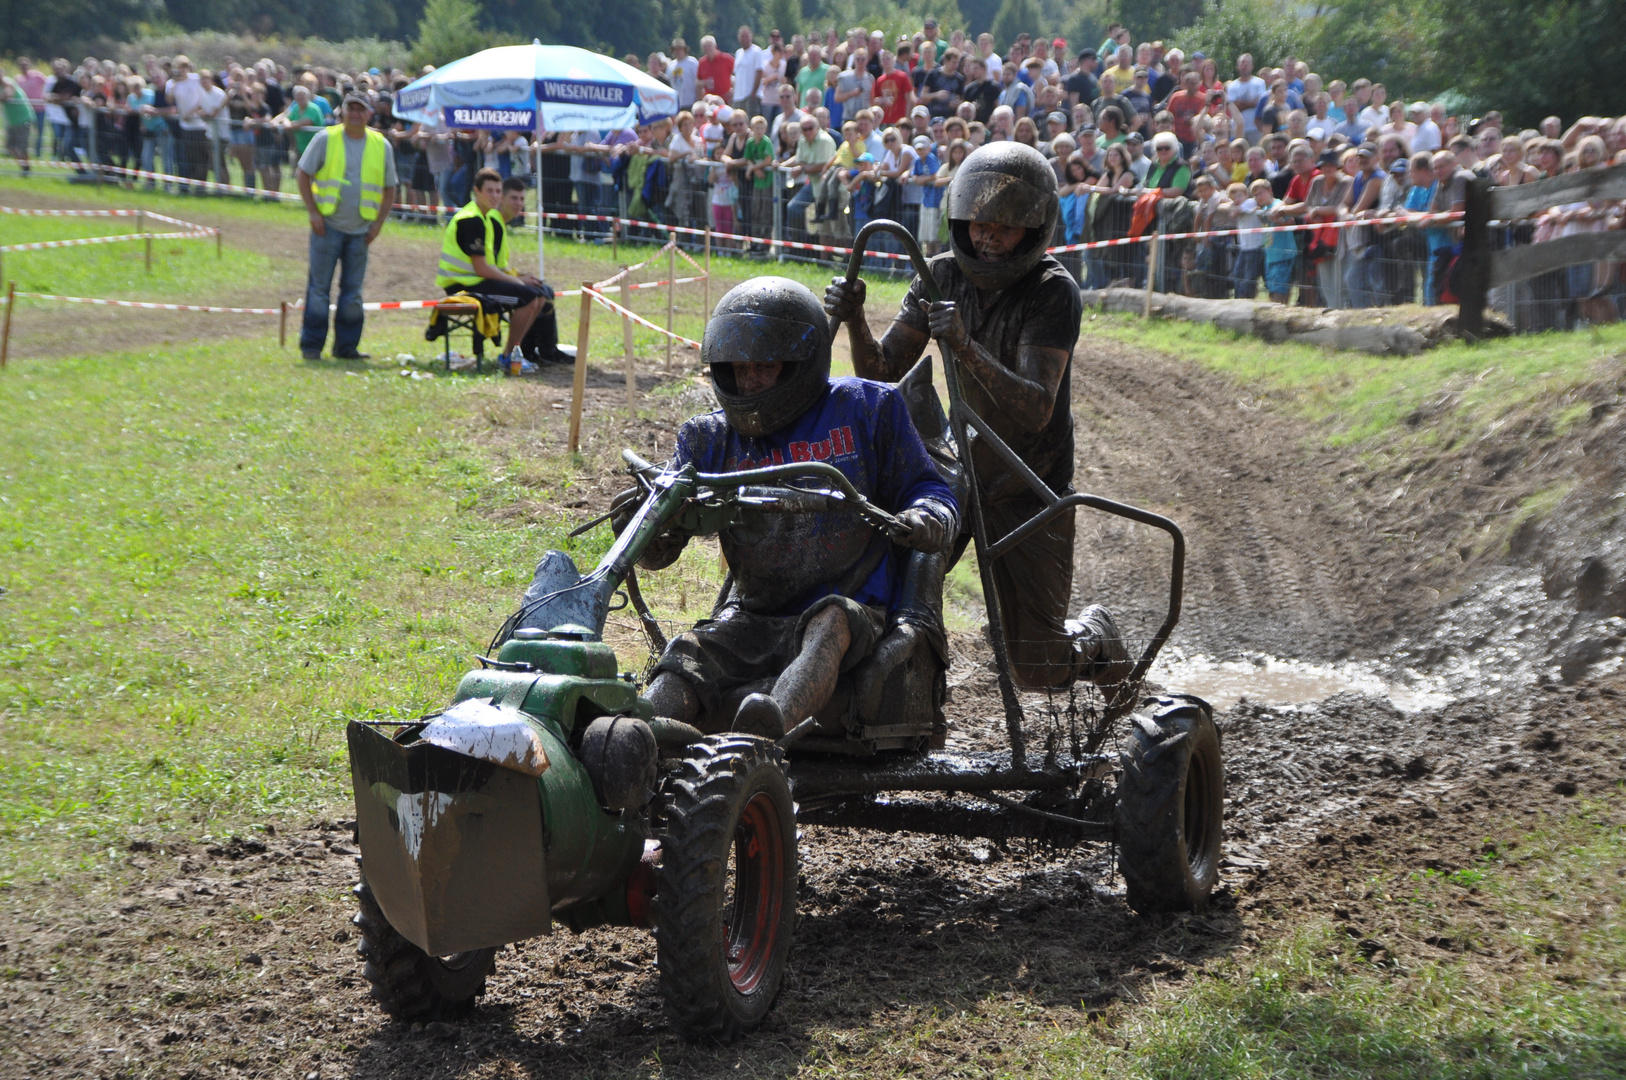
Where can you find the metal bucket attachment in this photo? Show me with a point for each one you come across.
(451, 845)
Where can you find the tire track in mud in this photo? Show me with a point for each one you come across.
(1274, 558)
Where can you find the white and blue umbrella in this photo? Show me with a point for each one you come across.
(536, 88)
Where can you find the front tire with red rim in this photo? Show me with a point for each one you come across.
(725, 902)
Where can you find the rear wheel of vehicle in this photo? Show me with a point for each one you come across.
(1171, 806)
(407, 982)
(725, 902)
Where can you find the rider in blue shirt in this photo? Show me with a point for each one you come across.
(809, 595)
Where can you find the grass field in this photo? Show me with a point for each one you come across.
(180, 268)
(1362, 399)
(214, 557)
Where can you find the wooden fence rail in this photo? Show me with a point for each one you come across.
(1482, 269)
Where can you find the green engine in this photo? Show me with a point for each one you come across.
(518, 803)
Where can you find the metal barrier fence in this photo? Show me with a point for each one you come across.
(1382, 263)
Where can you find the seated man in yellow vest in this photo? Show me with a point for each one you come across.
(474, 254)
(541, 345)
(346, 177)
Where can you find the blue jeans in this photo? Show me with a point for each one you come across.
(326, 250)
(1250, 264)
(1362, 277)
(588, 196)
(796, 214)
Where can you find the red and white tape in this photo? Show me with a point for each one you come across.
(147, 305)
(1405, 219)
(43, 245)
(600, 298)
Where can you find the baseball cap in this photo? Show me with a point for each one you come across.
(1367, 149)
(1058, 43)
(1398, 167)
(1140, 72)
(920, 110)
(358, 99)
(1328, 157)
(1087, 129)
(1086, 54)
(921, 142)
(1199, 56)
(1058, 118)
(929, 21)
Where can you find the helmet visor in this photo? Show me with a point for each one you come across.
(743, 338)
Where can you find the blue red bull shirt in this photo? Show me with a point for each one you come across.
(862, 428)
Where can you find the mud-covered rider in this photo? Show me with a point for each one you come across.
(1011, 314)
(809, 595)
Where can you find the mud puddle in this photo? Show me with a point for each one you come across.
(1272, 680)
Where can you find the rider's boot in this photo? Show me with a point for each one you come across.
(1098, 647)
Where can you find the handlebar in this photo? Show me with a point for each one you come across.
(757, 489)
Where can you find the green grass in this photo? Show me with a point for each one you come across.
(210, 567)
(182, 270)
(1536, 989)
(1358, 398)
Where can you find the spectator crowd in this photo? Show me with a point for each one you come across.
(805, 139)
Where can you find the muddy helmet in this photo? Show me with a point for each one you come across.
(760, 321)
(1003, 183)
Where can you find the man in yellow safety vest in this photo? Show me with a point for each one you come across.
(346, 177)
(474, 252)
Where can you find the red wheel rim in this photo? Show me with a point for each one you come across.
(756, 903)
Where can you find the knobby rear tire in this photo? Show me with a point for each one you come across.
(408, 983)
(1171, 806)
(725, 903)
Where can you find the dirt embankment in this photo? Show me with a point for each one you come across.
(186, 959)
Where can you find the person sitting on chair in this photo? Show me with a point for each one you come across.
(541, 344)
(474, 259)
(809, 595)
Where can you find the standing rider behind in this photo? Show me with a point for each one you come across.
(474, 258)
(346, 177)
(1011, 315)
(809, 595)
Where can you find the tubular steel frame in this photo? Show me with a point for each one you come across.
(961, 417)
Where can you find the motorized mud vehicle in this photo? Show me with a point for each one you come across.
(548, 792)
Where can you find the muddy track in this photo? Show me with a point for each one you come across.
(1277, 558)
(237, 959)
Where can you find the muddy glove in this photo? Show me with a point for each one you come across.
(844, 299)
(943, 319)
(931, 526)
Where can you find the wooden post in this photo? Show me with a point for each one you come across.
(1473, 272)
(671, 294)
(5, 334)
(630, 370)
(578, 387)
(218, 251)
(705, 310)
(282, 328)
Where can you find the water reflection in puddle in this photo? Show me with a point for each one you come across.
(1275, 681)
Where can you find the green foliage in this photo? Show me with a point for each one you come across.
(1014, 17)
(1152, 19)
(1387, 41)
(450, 30)
(1531, 58)
(30, 27)
(1261, 27)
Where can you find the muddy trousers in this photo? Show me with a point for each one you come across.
(1034, 583)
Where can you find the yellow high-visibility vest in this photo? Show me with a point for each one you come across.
(455, 267)
(329, 179)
